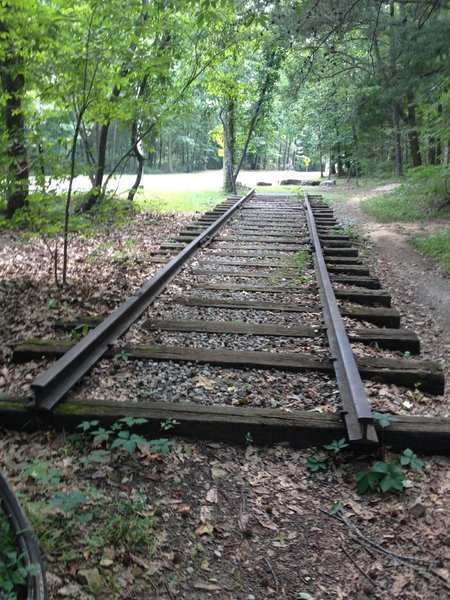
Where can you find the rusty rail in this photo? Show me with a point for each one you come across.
(49, 387)
(356, 408)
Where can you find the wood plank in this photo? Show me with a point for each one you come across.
(408, 373)
(297, 331)
(275, 276)
(262, 253)
(240, 287)
(340, 260)
(264, 240)
(230, 424)
(362, 296)
(244, 304)
(283, 264)
(261, 248)
(328, 251)
(387, 317)
(349, 269)
(403, 340)
(372, 283)
(384, 317)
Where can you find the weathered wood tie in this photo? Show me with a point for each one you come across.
(409, 373)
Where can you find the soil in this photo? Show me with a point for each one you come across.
(232, 523)
(419, 288)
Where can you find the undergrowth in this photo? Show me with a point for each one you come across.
(437, 246)
(425, 193)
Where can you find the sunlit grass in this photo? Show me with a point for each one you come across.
(437, 246)
(178, 200)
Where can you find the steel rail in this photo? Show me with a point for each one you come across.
(50, 386)
(36, 582)
(356, 408)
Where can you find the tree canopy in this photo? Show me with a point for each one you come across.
(100, 88)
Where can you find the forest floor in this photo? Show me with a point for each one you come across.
(209, 520)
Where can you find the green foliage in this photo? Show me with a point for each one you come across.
(388, 476)
(130, 525)
(248, 439)
(423, 195)
(122, 355)
(119, 436)
(382, 477)
(67, 500)
(305, 596)
(336, 446)
(168, 424)
(315, 464)
(301, 260)
(336, 507)
(384, 419)
(79, 331)
(13, 571)
(410, 459)
(43, 473)
(437, 246)
(53, 304)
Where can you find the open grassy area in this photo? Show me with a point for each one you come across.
(178, 200)
(437, 246)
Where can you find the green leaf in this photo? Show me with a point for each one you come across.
(367, 480)
(53, 304)
(410, 458)
(86, 425)
(384, 419)
(336, 445)
(315, 464)
(131, 421)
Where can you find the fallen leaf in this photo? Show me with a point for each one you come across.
(204, 382)
(205, 529)
(212, 496)
(207, 587)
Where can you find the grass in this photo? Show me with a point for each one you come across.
(423, 194)
(437, 246)
(178, 201)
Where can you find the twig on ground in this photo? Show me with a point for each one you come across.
(352, 560)
(407, 561)
(273, 573)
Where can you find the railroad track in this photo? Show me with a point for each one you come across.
(263, 283)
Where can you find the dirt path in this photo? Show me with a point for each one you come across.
(418, 286)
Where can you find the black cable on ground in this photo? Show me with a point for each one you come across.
(21, 528)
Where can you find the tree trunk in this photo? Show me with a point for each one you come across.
(413, 135)
(13, 83)
(320, 153)
(395, 115)
(136, 145)
(139, 161)
(169, 153)
(228, 116)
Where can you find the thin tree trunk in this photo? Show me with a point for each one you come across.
(136, 145)
(227, 117)
(413, 135)
(395, 115)
(169, 153)
(13, 83)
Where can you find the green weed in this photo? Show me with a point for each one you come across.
(437, 246)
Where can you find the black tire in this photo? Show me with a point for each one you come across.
(21, 528)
